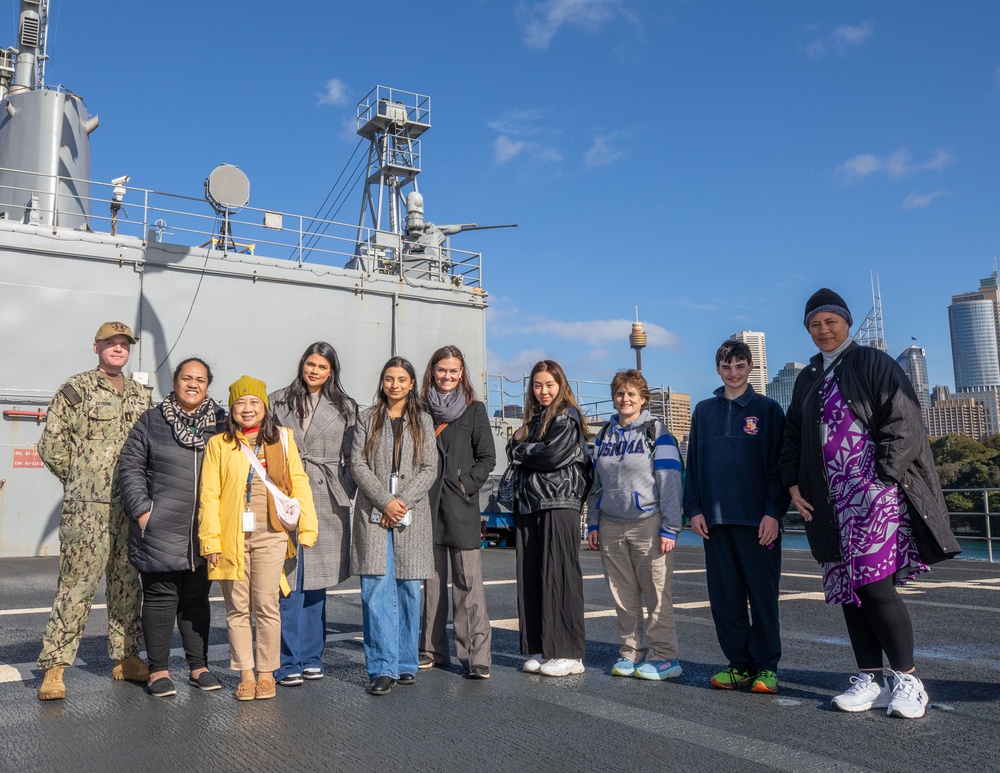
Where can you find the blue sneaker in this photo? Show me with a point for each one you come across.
(624, 667)
(659, 670)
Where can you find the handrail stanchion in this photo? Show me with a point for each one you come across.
(989, 536)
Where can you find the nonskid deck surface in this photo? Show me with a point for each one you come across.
(515, 721)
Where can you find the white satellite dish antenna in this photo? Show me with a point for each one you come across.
(227, 189)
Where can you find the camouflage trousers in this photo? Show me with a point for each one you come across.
(93, 540)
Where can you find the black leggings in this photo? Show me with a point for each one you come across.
(880, 624)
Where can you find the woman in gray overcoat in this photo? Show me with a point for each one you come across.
(394, 465)
(322, 418)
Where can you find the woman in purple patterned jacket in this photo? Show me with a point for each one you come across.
(858, 465)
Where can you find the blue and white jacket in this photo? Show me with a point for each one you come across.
(636, 477)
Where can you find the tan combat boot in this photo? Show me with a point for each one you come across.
(132, 669)
(52, 688)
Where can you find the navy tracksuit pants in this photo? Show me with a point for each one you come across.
(742, 573)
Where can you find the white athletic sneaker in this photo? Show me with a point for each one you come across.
(561, 667)
(909, 698)
(863, 694)
(533, 664)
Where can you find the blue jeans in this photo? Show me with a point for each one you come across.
(303, 628)
(391, 618)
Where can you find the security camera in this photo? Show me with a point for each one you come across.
(123, 180)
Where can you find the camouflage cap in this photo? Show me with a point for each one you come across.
(112, 329)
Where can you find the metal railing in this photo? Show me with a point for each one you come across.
(972, 514)
(970, 510)
(162, 217)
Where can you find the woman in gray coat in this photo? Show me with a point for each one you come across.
(394, 465)
(468, 455)
(322, 419)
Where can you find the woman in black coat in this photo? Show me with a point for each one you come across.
(467, 456)
(859, 469)
(159, 471)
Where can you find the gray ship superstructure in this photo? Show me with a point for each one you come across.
(245, 288)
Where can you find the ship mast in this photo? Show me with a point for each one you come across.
(392, 121)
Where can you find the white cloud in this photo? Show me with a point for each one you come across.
(542, 20)
(895, 166)
(603, 151)
(597, 332)
(841, 40)
(514, 367)
(505, 149)
(543, 153)
(518, 121)
(515, 127)
(916, 200)
(335, 93)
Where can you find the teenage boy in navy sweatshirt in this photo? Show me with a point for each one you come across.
(734, 499)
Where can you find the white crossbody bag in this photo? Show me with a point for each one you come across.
(285, 507)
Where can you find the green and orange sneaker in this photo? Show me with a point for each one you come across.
(765, 681)
(731, 679)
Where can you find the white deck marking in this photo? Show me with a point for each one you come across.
(773, 756)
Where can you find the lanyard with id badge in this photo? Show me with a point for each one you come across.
(249, 520)
(376, 516)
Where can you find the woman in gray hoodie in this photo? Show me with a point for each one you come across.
(634, 517)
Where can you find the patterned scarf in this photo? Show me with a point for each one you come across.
(189, 428)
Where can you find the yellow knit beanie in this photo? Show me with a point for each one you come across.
(246, 385)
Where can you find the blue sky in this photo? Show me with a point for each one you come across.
(712, 163)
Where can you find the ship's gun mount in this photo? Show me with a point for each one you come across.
(430, 243)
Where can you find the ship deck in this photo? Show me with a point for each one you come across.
(516, 721)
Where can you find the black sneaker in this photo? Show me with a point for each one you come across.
(292, 680)
(479, 672)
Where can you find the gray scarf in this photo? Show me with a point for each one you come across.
(189, 428)
(446, 407)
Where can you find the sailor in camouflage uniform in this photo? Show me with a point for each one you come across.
(87, 423)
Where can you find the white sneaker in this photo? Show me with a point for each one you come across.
(863, 694)
(562, 667)
(533, 664)
(909, 698)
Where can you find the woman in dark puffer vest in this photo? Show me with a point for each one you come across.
(160, 471)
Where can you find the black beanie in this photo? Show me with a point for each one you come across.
(825, 299)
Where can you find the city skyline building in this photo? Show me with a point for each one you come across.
(780, 388)
(974, 323)
(673, 409)
(758, 349)
(913, 361)
(960, 414)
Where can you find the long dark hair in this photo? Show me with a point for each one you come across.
(443, 354)
(411, 411)
(564, 399)
(297, 393)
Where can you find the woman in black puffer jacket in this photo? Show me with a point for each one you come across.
(554, 476)
(159, 472)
